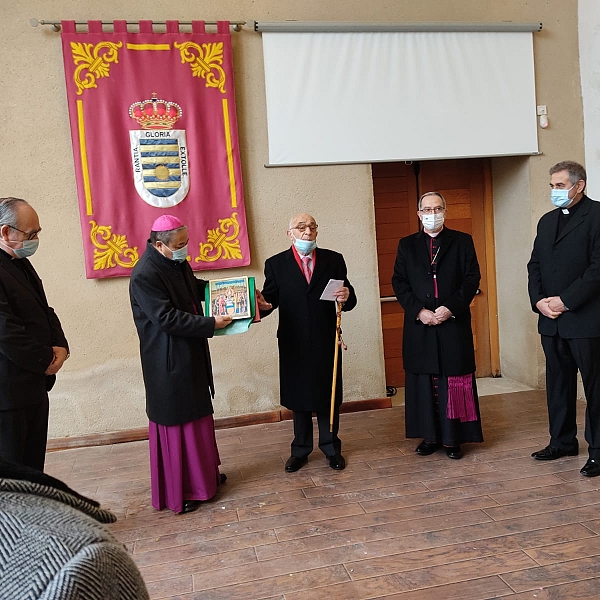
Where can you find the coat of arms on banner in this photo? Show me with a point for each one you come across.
(159, 153)
(154, 130)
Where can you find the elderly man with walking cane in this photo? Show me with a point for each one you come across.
(307, 336)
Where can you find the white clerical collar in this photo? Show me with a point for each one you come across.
(565, 211)
(434, 234)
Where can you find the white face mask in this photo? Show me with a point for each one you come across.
(28, 249)
(304, 246)
(560, 197)
(180, 254)
(432, 222)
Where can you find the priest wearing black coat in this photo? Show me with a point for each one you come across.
(564, 290)
(436, 276)
(294, 282)
(33, 347)
(166, 300)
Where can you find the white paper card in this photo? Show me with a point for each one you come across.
(332, 286)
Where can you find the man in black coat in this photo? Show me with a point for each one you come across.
(166, 300)
(33, 346)
(564, 289)
(436, 276)
(294, 282)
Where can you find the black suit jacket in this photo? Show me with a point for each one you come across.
(28, 330)
(306, 332)
(445, 349)
(568, 266)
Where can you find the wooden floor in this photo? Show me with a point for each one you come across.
(393, 525)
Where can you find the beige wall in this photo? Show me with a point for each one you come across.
(100, 389)
(589, 45)
(521, 193)
(520, 351)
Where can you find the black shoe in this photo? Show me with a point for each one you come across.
(294, 463)
(591, 468)
(222, 478)
(454, 452)
(552, 453)
(189, 506)
(425, 448)
(337, 462)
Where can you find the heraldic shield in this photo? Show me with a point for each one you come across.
(160, 166)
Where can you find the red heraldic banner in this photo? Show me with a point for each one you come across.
(154, 131)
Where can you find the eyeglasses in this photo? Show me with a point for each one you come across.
(304, 227)
(29, 235)
(436, 209)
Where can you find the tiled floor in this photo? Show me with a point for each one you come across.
(392, 526)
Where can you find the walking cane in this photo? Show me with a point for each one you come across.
(338, 335)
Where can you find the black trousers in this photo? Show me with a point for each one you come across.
(23, 435)
(564, 357)
(329, 442)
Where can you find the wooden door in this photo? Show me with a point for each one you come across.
(466, 186)
(396, 195)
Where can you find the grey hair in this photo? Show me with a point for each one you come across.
(8, 210)
(432, 194)
(166, 237)
(575, 170)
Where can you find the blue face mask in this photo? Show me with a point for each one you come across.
(28, 249)
(180, 254)
(560, 198)
(305, 246)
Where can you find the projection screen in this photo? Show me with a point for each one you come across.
(368, 97)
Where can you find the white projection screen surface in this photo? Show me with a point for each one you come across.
(366, 97)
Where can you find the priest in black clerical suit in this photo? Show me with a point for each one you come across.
(436, 276)
(33, 346)
(564, 289)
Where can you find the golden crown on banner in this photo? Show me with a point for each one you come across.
(155, 113)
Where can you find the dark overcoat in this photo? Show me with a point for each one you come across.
(165, 297)
(568, 266)
(445, 349)
(29, 328)
(306, 332)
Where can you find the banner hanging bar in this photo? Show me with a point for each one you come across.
(235, 25)
(340, 27)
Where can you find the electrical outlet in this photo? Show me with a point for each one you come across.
(542, 110)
